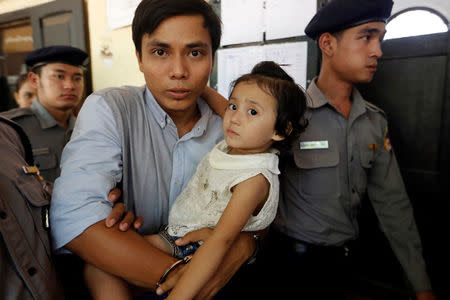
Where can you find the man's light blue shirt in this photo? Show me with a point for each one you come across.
(92, 165)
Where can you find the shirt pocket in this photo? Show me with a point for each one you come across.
(38, 202)
(31, 187)
(44, 158)
(317, 171)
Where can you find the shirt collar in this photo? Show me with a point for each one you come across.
(317, 99)
(158, 113)
(162, 117)
(358, 106)
(71, 122)
(45, 118)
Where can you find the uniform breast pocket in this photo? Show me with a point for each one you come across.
(38, 202)
(317, 171)
(44, 158)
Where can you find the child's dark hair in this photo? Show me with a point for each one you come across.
(20, 81)
(150, 13)
(272, 79)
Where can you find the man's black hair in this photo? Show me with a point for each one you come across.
(150, 13)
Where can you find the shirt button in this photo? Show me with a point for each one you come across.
(177, 182)
(351, 158)
(2, 215)
(353, 190)
(32, 271)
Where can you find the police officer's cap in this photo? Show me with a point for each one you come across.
(53, 54)
(342, 14)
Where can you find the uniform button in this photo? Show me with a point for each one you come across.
(2, 215)
(32, 271)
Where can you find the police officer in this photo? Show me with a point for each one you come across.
(25, 253)
(57, 73)
(344, 154)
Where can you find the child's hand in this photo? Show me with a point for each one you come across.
(171, 280)
(194, 236)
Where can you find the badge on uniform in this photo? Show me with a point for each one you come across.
(313, 145)
(32, 170)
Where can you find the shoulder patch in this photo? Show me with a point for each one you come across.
(17, 113)
(374, 108)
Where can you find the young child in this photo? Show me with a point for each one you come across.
(25, 92)
(235, 187)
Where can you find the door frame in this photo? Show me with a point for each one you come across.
(35, 13)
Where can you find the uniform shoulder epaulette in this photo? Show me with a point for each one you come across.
(17, 113)
(374, 108)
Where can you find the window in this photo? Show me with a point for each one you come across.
(415, 22)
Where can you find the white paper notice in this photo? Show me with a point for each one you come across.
(292, 57)
(243, 21)
(120, 13)
(288, 18)
(235, 62)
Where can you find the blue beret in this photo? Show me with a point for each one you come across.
(342, 14)
(63, 54)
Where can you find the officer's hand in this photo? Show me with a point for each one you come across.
(194, 236)
(428, 295)
(118, 213)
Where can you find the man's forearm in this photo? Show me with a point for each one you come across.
(124, 254)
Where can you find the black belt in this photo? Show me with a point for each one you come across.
(301, 247)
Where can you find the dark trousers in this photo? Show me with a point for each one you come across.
(290, 269)
(70, 272)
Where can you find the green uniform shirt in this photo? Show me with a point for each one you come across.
(46, 136)
(334, 163)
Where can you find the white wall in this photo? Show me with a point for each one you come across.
(121, 68)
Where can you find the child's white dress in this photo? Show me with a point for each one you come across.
(207, 194)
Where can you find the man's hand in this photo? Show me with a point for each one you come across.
(239, 253)
(428, 295)
(118, 212)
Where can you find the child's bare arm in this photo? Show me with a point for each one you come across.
(215, 100)
(247, 195)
